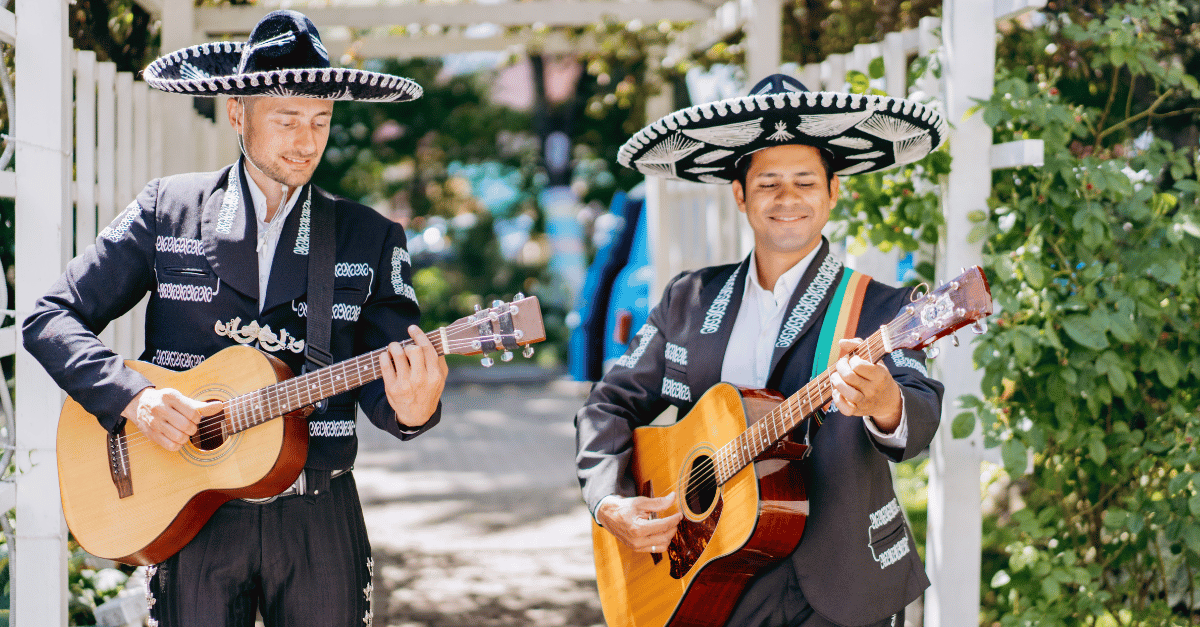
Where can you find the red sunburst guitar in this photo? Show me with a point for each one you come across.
(734, 469)
(128, 499)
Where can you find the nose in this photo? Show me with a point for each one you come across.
(306, 140)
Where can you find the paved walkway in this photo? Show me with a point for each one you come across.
(479, 522)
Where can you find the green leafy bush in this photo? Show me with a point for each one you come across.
(1092, 367)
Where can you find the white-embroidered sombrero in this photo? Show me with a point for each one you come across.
(284, 57)
(864, 133)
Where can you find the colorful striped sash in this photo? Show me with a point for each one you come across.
(841, 320)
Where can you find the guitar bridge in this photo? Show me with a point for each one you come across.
(118, 464)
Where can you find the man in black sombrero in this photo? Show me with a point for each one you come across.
(759, 324)
(225, 259)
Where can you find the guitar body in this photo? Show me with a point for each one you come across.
(171, 495)
(728, 533)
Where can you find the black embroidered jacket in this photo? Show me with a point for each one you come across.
(189, 241)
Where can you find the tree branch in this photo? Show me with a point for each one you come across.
(1127, 121)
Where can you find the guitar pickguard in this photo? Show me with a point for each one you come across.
(690, 541)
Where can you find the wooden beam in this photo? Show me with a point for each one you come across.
(239, 20)
(399, 47)
(1020, 153)
(1008, 9)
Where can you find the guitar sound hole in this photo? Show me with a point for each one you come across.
(701, 486)
(209, 435)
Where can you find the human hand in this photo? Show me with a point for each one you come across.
(862, 388)
(167, 416)
(413, 378)
(632, 521)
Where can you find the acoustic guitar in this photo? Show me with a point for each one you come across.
(735, 470)
(128, 499)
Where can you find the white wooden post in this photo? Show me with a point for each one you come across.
(106, 157)
(141, 174)
(85, 149)
(43, 161)
(765, 29)
(954, 543)
(123, 326)
(155, 119)
(178, 31)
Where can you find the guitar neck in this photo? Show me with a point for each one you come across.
(273, 401)
(760, 436)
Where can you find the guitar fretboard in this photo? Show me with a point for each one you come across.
(752, 442)
(257, 407)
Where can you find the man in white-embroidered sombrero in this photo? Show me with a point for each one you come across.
(772, 321)
(225, 259)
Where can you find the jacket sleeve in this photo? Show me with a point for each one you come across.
(922, 402)
(385, 318)
(627, 397)
(100, 285)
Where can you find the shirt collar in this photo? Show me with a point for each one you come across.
(787, 281)
(259, 199)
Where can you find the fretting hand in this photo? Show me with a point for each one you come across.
(413, 378)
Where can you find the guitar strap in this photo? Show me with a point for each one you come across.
(320, 286)
(840, 322)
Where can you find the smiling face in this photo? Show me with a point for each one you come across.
(285, 137)
(787, 200)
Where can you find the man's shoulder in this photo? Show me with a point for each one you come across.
(351, 212)
(705, 276)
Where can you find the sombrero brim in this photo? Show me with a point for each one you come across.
(211, 70)
(864, 133)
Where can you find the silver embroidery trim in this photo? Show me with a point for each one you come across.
(331, 428)
(885, 514)
(809, 301)
(120, 226)
(176, 359)
(252, 332)
(904, 361)
(229, 204)
(716, 311)
(187, 292)
(676, 353)
(676, 389)
(178, 245)
(301, 247)
(646, 333)
(399, 258)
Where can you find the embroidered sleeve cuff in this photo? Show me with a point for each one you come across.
(895, 439)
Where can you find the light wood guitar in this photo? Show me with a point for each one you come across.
(734, 467)
(128, 499)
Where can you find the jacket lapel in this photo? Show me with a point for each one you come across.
(230, 235)
(808, 300)
(723, 297)
(289, 270)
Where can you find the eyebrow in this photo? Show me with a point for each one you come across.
(294, 112)
(774, 174)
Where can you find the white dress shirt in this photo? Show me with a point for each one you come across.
(268, 233)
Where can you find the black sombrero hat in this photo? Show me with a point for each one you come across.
(864, 133)
(284, 57)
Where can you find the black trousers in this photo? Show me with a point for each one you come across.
(774, 599)
(300, 560)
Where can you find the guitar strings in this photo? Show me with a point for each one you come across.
(253, 408)
(706, 478)
(235, 408)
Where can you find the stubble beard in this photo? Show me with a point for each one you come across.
(269, 167)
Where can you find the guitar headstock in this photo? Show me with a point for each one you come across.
(503, 326)
(961, 301)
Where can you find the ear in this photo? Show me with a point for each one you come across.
(233, 108)
(739, 196)
(834, 186)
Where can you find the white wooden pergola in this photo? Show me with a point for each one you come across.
(45, 191)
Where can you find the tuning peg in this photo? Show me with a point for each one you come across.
(487, 362)
(519, 296)
(497, 303)
(932, 351)
(980, 326)
(954, 339)
(528, 352)
(506, 356)
(476, 307)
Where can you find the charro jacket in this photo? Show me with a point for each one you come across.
(857, 563)
(189, 241)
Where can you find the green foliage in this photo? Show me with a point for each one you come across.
(1092, 365)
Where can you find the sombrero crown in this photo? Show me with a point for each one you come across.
(284, 57)
(863, 133)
